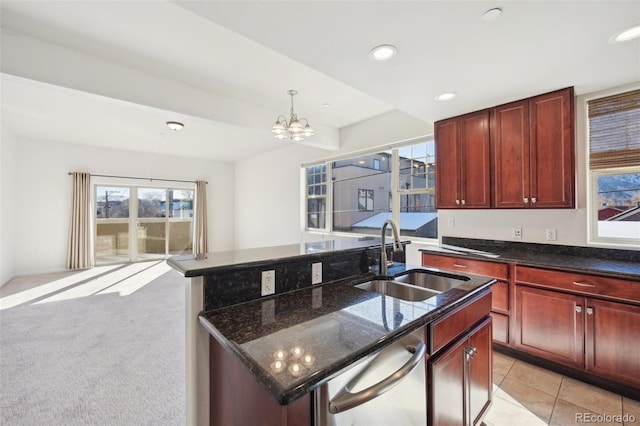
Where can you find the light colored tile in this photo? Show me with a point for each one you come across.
(502, 363)
(631, 408)
(504, 413)
(590, 397)
(568, 414)
(534, 400)
(536, 377)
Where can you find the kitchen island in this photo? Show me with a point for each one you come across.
(334, 323)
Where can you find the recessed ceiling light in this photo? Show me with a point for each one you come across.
(326, 105)
(382, 53)
(174, 125)
(492, 14)
(626, 35)
(446, 96)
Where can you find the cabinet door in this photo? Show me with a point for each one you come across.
(475, 168)
(552, 150)
(550, 324)
(447, 163)
(613, 340)
(510, 148)
(446, 386)
(480, 372)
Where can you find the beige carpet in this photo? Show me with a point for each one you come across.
(97, 347)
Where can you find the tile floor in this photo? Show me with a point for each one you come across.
(524, 394)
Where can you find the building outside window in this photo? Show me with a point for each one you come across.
(614, 167)
(363, 192)
(365, 199)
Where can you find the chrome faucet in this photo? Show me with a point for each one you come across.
(397, 247)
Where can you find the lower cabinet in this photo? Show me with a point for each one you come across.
(598, 336)
(550, 325)
(460, 379)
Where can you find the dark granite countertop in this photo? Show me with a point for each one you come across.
(610, 262)
(196, 265)
(335, 323)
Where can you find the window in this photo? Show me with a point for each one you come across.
(366, 190)
(614, 167)
(316, 196)
(360, 210)
(365, 199)
(136, 223)
(416, 189)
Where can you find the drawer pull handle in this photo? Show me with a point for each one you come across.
(579, 309)
(457, 265)
(589, 311)
(584, 284)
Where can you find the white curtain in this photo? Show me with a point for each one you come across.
(79, 253)
(201, 244)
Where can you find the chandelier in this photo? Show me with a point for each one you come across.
(293, 129)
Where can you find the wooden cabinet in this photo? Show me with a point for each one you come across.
(233, 390)
(613, 340)
(550, 325)
(463, 176)
(460, 379)
(533, 150)
(565, 318)
(500, 302)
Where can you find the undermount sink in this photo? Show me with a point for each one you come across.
(398, 290)
(430, 280)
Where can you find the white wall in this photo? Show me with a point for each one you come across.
(7, 200)
(42, 200)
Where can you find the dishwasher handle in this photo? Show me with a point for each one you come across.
(345, 400)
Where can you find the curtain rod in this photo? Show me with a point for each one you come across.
(142, 178)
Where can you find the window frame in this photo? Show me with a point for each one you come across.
(394, 191)
(592, 180)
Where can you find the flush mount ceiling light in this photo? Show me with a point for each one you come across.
(382, 53)
(174, 125)
(446, 96)
(293, 129)
(492, 14)
(626, 35)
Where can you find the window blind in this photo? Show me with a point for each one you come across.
(614, 131)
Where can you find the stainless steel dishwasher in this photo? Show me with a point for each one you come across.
(386, 388)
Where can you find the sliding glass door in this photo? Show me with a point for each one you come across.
(140, 223)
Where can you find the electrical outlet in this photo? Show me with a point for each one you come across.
(516, 233)
(551, 234)
(316, 273)
(268, 283)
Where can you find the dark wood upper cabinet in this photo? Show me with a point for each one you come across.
(533, 149)
(463, 177)
(517, 155)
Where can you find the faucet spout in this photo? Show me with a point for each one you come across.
(397, 246)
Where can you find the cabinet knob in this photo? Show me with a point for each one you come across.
(589, 311)
(533, 200)
(578, 309)
(525, 200)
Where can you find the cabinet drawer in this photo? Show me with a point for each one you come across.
(447, 328)
(612, 288)
(470, 266)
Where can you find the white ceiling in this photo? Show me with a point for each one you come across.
(110, 73)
